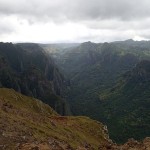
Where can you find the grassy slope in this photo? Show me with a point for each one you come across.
(24, 119)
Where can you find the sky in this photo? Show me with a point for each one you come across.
(62, 21)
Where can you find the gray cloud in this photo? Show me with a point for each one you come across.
(77, 9)
(111, 19)
(6, 27)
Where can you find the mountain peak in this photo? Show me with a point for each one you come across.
(129, 40)
(88, 43)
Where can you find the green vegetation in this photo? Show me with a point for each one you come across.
(25, 119)
(126, 106)
(27, 69)
(91, 69)
(94, 68)
(105, 82)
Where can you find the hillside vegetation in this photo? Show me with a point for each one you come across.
(92, 69)
(125, 107)
(27, 122)
(27, 69)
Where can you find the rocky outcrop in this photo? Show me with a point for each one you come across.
(135, 145)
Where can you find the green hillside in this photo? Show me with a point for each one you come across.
(29, 70)
(92, 68)
(27, 123)
(125, 107)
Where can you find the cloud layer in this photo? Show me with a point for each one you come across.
(74, 20)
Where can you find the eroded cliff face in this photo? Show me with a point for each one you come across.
(131, 144)
(27, 69)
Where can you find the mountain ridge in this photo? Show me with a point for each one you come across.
(92, 68)
(27, 69)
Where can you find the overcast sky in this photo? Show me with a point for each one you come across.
(74, 20)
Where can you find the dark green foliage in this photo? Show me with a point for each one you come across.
(27, 69)
(125, 108)
(92, 69)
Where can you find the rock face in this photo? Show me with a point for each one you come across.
(130, 145)
(27, 69)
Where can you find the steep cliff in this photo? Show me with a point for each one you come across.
(27, 69)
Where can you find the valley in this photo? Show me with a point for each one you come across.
(107, 82)
(93, 69)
